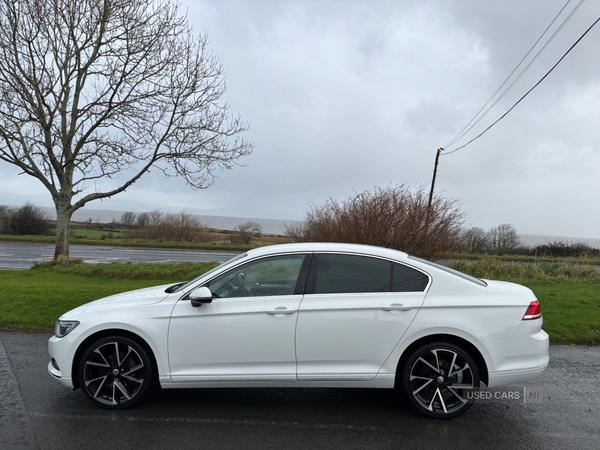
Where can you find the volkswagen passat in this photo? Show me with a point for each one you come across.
(307, 315)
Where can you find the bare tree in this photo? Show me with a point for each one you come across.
(475, 240)
(245, 232)
(503, 238)
(128, 219)
(5, 215)
(101, 90)
(142, 220)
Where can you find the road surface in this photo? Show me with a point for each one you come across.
(37, 412)
(22, 255)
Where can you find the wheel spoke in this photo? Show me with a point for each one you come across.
(437, 361)
(416, 377)
(133, 369)
(450, 372)
(122, 388)
(442, 400)
(439, 395)
(429, 365)
(88, 382)
(136, 380)
(129, 350)
(117, 354)
(424, 384)
(456, 394)
(102, 356)
(100, 387)
(92, 363)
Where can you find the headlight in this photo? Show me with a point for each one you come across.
(64, 327)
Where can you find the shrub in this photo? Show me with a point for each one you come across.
(26, 220)
(243, 233)
(396, 217)
(172, 227)
(566, 249)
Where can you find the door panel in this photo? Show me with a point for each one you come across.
(355, 311)
(247, 332)
(349, 336)
(233, 339)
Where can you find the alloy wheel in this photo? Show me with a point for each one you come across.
(115, 372)
(439, 380)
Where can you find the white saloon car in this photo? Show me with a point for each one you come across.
(308, 315)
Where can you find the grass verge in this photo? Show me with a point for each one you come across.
(521, 258)
(569, 294)
(34, 299)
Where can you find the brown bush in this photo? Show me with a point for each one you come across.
(396, 217)
(175, 227)
(245, 232)
(26, 220)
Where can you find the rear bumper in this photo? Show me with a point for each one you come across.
(524, 360)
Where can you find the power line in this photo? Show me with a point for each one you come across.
(477, 118)
(528, 92)
(530, 159)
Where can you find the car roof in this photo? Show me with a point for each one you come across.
(328, 247)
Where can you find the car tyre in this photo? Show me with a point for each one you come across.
(439, 379)
(115, 372)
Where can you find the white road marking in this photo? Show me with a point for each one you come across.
(318, 426)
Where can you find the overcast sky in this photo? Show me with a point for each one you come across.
(342, 96)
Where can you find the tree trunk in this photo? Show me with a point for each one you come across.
(63, 230)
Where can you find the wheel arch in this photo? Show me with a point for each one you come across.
(461, 342)
(105, 333)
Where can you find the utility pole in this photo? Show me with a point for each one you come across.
(437, 158)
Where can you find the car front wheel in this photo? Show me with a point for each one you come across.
(115, 372)
(439, 379)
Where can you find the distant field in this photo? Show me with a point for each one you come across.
(119, 237)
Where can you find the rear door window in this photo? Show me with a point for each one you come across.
(338, 273)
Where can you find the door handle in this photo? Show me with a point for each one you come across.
(397, 307)
(280, 310)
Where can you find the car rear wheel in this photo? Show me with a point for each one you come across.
(115, 372)
(439, 379)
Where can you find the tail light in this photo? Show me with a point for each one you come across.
(533, 311)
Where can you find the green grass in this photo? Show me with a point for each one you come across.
(34, 299)
(82, 233)
(569, 294)
(571, 311)
(549, 272)
(140, 271)
(522, 258)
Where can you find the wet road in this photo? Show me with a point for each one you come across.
(22, 255)
(36, 412)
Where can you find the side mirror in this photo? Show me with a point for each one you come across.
(199, 296)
